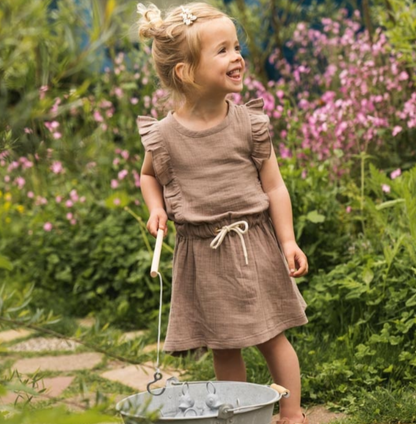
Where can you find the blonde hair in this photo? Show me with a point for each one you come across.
(175, 42)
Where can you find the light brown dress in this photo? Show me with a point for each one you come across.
(210, 178)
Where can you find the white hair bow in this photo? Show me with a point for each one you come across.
(187, 16)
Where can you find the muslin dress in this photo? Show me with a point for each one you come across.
(210, 178)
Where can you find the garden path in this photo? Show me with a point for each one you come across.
(67, 366)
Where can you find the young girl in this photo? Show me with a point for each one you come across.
(211, 169)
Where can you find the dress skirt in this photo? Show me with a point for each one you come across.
(221, 302)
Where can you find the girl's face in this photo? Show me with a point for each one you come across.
(221, 66)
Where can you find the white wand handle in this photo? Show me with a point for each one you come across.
(156, 253)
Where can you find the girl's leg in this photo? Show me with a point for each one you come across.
(283, 364)
(229, 365)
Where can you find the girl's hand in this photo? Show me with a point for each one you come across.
(296, 259)
(157, 220)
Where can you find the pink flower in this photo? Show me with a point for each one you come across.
(403, 76)
(396, 130)
(28, 131)
(68, 203)
(25, 163)
(114, 184)
(125, 154)
(98, 117)
(56, 167)
(284, 151)
(6, 179)
(396, 174)
(30, 194)
(52, 125)
(280, 94)
(69, 215)
(134, 100)
(47, 226)
(73, 221)
(20, 181)
(57, 135)
(348, 209)
(42, 91)
(118, 92)
(117, 201)
(122, 174)
(82, 199)
(74, 195)
(385, 188)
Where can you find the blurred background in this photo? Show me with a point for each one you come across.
(338, 81)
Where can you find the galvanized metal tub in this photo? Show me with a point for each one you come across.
(238, 403)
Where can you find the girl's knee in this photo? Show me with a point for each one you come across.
(273, 343)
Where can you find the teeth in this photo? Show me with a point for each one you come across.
(234, 73)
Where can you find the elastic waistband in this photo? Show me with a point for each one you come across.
(211, 230)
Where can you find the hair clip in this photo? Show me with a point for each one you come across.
(188, 18)
(141, 9)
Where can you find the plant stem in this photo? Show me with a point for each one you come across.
(363, 157)
(16, 323)
(367, 20)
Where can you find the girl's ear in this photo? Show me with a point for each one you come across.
(179, 70)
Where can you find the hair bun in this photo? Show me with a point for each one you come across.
(151, 20)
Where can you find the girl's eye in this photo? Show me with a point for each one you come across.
(222, 50)
(238, 48)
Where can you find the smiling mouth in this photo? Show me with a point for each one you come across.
(235, 74)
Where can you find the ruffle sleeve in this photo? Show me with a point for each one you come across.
(153, 142)
(262, 143)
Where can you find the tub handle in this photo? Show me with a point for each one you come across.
(225, 411)
(281, 390)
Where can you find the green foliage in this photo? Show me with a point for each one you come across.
(362, 311)
(398, 17)
(383, 406)
(322, 225)
(103, 268)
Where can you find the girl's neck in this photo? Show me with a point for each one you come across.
(201, 114)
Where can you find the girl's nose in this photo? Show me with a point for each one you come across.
(237, 57)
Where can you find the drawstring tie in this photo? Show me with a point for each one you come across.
(222, 232)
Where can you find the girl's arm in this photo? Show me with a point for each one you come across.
(153, 197)
(281, 215)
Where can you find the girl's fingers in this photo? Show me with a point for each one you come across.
(157, 221)
(303, 266)
(163, 224)
(291, 264)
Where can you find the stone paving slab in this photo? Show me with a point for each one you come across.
(86, 322)
(11, 335)
(152, 348)
(318, 415)
(41, 344)
(131, 335)
(80, 361)
(138, 376)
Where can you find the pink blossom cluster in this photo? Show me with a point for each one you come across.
(342, 92)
